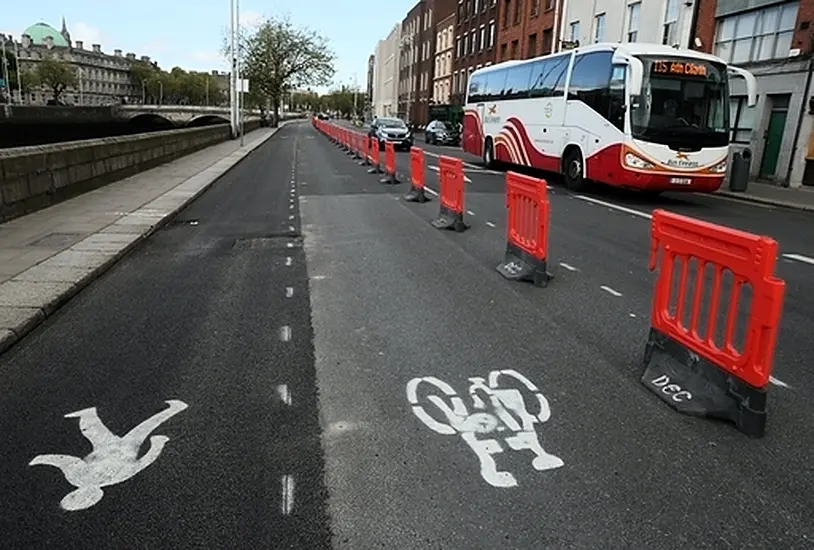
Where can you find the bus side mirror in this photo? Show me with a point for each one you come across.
(635, 76)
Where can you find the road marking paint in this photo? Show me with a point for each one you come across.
(285, 395)
(430, 191)
(470, 212)
(568, 266)
(292, 228)
(436, 169)
(799, 258)
(778, 382)
(289, 245)
(490, 224)
(287, 483)
(288, 261)
(291, 216)
(114, 459)
(285, 333)
(467, 164)
(289, 291)
(615, 206)
(633, 315)
(609, 290)
(502, 417)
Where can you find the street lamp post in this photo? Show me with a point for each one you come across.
(161, 92)
(143, 92)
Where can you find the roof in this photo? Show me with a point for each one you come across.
(40, 31)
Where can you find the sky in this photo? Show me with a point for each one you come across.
(184, 33)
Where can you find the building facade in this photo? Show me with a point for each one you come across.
(475, 42)
(386, 74)
(444, 57)
(416, 59)
(527, 29)
(773, 40)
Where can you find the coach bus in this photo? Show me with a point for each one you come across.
(643, 116)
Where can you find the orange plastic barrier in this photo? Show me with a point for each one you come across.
(709, 376)
(374, 157)
(451, 181)
(416, 193)
(526, 230)
(365, 151)
(389, 164)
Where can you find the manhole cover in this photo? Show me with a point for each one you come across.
(268, 243)
(57, 240)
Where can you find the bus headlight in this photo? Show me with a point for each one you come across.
(636, 162)
(720, 168)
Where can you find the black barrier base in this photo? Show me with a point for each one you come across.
(519, 265)
(692, 385)
(389, 179)
(416, 194)
(374, 170)
(363, 162)
(447, 219)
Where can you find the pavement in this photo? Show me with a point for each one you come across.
(317, 327)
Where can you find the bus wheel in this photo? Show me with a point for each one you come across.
(574, 170)
(489, 154)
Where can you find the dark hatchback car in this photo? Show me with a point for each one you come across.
(391, 129)
(439, 132)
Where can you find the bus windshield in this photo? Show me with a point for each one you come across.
(684, 103)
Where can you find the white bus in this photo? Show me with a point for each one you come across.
(643, 116)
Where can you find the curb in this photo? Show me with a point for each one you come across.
(762, 200)
(31, 317)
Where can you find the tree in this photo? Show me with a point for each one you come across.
(278, 57)
(55, 75)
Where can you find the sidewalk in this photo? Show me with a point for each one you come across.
(799, 198)
(48, 256)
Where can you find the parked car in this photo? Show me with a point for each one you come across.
(439, 132)
(391, 129)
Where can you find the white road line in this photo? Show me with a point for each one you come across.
(436, 169)
(470, 212)
(430, 191)
(289, 291)
(467, 164)
(289, 245)
(799, 258)
(287, 504)
(614, 206)
(777, 382)
(285, 333)
(292, 228)
(291, 216)
(288, 261)
(490, 224)
(609, 290)
(568, 266)
(285, 395)
(632, 314)
(291, 206)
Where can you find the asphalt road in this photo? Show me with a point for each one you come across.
(212, 311)
(310, 436)
(417, 302)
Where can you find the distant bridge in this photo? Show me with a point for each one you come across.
(180, 115)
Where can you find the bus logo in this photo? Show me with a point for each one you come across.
(682, 156)
(492, 109)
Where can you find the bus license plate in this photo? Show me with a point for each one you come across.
(681, 181)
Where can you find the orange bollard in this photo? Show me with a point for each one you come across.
(451, 180)
(374, 157)
(526, 230)
(389, 164)
(416, 193)
(696, 359)
(365, 151)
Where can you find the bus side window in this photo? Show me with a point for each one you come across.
(517, 82)
(616, 113)
(476, 89)
(590, 81)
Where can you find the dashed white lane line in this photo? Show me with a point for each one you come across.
(467, 164)
(614, 206)
(436, 169)
(285, 333)
(490, 224)
(292, 228)
(470, 212)
(430, 191)
(291, 216)
(291, 206)
(568, 266)
(287, 504)
(289, 291)
(285, 395)
(609, 290)
(799, 258)
(778, 382)
(288, 261)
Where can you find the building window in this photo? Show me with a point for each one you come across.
(599, 31)
(472, 39)
(633, 11)
(491, 34)
(756, 35)
(515, 48)
(458, 52)
(574, 31)
(668, 36)
(535, 8)
(506, 13)
(502, 52)
(475, 9)
(742, 119)
(531, 47)
(482, 38)
(547, 42)
(518, 11)
(549, 4)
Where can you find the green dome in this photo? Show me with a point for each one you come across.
(40, 31)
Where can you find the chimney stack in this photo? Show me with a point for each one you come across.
(79, 45)
(117, 53)
(97, 48)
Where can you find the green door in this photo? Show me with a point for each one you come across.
(774, 138)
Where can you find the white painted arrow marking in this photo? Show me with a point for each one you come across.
(113, 460)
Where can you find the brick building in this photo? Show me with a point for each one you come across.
(773, 40)
(475, 42)
(413, 46)
(527, 28)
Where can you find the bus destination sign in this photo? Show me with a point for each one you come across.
(680, 68)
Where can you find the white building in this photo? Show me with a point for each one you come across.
(654, 21)
(386, 74)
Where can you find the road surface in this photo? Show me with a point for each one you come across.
(301, 430)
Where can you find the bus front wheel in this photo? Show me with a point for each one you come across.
(574, 170)
(489, 154)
